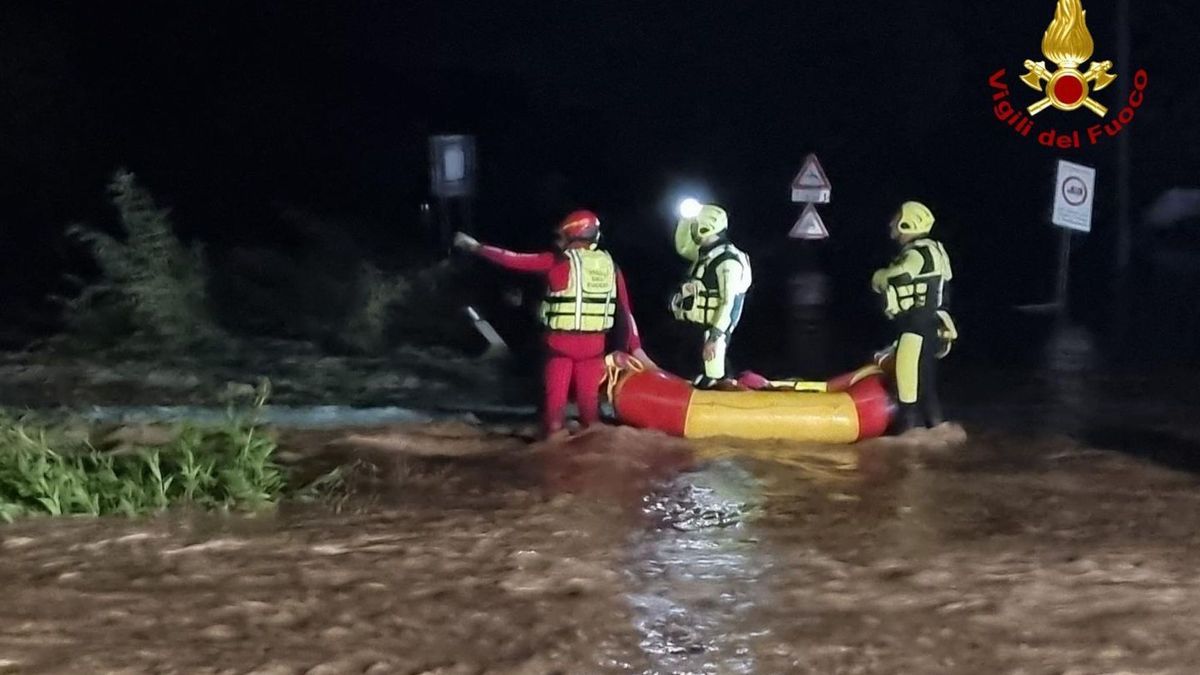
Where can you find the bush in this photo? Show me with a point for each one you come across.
(422, 306)
(322, 288)
(44, 470)
(152, 286)
(155, 289)
(379, 297)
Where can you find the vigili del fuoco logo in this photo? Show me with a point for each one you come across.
(1067, 44)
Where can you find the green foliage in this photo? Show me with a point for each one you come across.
(379, 296)
(324, 288)
(421, 306)
(152, 284)
(163, 294)
(43, 470)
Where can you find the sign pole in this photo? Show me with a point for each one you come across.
(1074, 193)
(445, 223)
(809, 335)
(1064, 271)
(1123, 189)
(452, 179)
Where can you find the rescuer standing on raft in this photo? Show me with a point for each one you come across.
(915, 289)
(585, 290)
(716, 287)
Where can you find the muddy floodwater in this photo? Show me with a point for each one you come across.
(1060, 536)
(630, 553)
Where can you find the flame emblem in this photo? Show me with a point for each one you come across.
(1068, 44)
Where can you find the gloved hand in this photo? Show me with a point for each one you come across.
(883, 354)
(640, 355)
(879, 281)
(466, 242)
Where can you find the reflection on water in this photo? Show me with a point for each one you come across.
(810, 334)
(810, 343)
(706, 574)
(722, 494)
(696, 572)
(1070, 361)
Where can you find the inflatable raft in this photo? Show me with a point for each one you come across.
(845, 409)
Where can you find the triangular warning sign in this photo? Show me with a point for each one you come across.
(811, 184)
(812, 175)
(809, 225)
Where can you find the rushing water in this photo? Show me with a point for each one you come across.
(1061, 536)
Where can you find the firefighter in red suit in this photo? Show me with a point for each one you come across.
(585, 291)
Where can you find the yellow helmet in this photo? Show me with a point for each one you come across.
(689, 232)
(914, 218)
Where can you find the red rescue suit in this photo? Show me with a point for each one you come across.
(575, 358)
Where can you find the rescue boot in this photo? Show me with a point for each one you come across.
(909, 418)
(933, 413)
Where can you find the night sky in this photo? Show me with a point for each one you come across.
(231, 111)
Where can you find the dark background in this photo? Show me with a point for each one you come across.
(230, 112)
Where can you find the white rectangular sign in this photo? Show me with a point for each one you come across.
(1074, 192)
(452, 165)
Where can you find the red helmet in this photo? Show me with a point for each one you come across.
(580, 224)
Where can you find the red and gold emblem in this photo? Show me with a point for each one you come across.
(1068, 44)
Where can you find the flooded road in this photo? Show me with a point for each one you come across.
(1060, 537)
(889, 558)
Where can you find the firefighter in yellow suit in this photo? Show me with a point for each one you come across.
(713, 295)
(915, 290)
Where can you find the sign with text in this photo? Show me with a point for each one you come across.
(1074, 193)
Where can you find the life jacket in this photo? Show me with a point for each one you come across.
(588, 303)
(924, 291)
(699, 298)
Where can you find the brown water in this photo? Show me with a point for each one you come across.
(625, 552)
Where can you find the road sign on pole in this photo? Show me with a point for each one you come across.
(452, 165)
(810, 285)
(809, 225)
(452, 180)
(811, 184)
(1074, 193)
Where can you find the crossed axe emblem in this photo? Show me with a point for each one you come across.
(1097, 74)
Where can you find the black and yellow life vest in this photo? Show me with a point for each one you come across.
(925, 290)
(700, 297)
(588, 303)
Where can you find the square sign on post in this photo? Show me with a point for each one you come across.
(452, 165)
(1074, 192)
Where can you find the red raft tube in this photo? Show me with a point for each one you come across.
(848, 408)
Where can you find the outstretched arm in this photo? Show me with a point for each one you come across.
(519, 262)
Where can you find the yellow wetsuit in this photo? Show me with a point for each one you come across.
(915, 287)
(713, 296)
